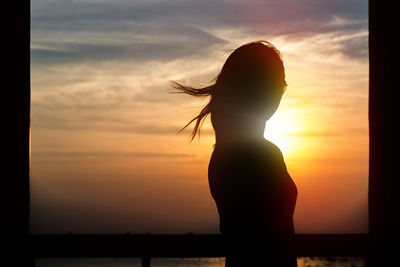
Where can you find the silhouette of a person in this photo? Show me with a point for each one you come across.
(249, 182)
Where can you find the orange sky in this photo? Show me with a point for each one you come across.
(106, 156)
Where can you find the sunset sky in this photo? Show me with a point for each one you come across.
(106, 156)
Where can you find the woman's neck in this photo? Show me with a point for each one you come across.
(241, 133)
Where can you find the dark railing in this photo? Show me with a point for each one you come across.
(147, 246)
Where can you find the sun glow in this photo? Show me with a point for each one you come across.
(281, 130)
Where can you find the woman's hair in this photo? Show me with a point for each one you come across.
(237, 87)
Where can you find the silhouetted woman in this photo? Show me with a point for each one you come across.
(253, 191)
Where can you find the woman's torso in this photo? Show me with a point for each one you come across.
(254, 193)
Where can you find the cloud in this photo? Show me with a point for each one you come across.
(83, 52)
(97, 154)
(356, 47)
(101, 121)
(74, 31)
(184, 41)
(309, 15)
(352, 132)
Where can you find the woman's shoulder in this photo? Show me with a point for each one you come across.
(258, 150)
(272, 148)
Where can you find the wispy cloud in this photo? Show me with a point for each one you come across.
(97, 154)
(170, 43)
(71, 31)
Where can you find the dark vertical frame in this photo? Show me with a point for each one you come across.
(384, 191)
(15, 128)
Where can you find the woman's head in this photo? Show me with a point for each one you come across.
(248, 88)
